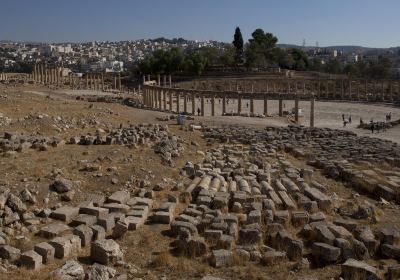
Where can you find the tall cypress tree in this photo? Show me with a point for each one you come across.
(238, 43)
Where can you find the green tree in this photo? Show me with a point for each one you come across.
(228, 56)
(259, 51)
(238, 44)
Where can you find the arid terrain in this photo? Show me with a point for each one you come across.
(223, 197)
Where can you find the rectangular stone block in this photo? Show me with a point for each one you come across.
(85, 233)
(31, 259)
(95, 211)
(53, 230)
(46, 251)
(65, 214)
(120, 197)
(116, 207)
(84, 219)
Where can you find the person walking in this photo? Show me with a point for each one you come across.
(349, 119)
(198, 111)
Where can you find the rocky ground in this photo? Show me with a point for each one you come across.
(98, 190)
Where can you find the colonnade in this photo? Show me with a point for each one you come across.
(43, 74)
(330, 89)
(4, 76)
(169, 99)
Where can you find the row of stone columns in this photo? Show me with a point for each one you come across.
(42, 74)
(157, 98)
(158, 81)
(94, 81)
(363, 90)
(4, 76)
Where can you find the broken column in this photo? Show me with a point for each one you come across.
(280, 106)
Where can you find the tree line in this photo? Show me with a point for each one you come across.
(260, 52)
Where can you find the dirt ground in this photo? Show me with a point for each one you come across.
(36, 110)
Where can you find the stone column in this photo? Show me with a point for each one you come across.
(202, 105)
(35, 78)
(144, 79)
(224, 104)
(312, 112)
(165, 80)
(358, 90)
(102, 82)
(158, 80)
(42, 73)
(327, 89)
(96, 82)
(164, 99)
(185, 102)
(342, 93)
(252, 104)
(115, 82)
(87, 80)
(390, 90)
(350, 90)
(280, 107)
(239, 103)
(213, 105)
(265, 105)
(319, 88)
(383, 90)
(119, 82)
(178, 103)
(193, 104)
(296, 110)
(170, 81)
(148, 78)
(366, 90)
(170, 100)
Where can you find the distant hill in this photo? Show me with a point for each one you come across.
(338, 48)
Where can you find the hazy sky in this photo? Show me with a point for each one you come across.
(373, 23)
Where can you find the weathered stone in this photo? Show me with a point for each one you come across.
(65, 214)
(105, 251)
(53, 230)
(273, 257)
(45, 250)
(356, 270)
(84, 219)
(9, 253)
(62, 185)
(120, 197)
(324, 235)
(221, 258)
(94, 211)
(71, 270)
(66, 245)
(107, 222)
(121, 227)
(98, 232)
(31, 259)
(16, 204)
(85, 233)
(100, 272)
(326, 252)
(295, 250)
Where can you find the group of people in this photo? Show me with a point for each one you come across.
(346, 121)
(373, 126)
(377, 126)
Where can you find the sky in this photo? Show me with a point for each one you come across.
(369, 23)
